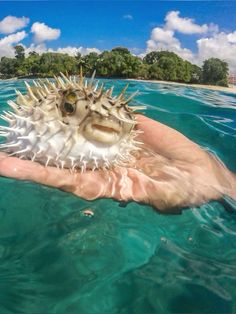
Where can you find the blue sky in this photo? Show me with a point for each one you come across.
(106, 24)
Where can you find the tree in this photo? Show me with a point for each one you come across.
(215, 72)
(32, 63)
(89, 62)
(119, 62)
(121, 50)
(52, 63)
(143, 71)
(155, 72)
(33, 54)
(169, 68)
(8, 67)
(154, 56)
(166, 65)
(78, 56)
(196, 74)
(19, 52)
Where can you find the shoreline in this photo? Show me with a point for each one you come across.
(230, 89)
(210, 87)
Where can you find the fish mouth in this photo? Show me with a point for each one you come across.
(103, 130)
(107, 127)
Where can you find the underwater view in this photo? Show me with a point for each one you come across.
(127, 257)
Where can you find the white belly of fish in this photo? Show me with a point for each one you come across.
(71, 124)
(51, 143)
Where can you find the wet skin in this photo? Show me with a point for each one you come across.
(177, 175)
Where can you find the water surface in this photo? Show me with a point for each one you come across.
(126, 259)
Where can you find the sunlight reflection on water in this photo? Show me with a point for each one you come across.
(127, 258)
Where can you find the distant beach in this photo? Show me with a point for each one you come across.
(231, 89)
(211, 87)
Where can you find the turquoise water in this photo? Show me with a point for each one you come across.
(126, 259)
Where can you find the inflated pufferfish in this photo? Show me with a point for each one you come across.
(71, 124)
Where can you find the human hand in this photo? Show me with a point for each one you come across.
(172, 172)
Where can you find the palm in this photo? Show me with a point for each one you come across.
(172, 177)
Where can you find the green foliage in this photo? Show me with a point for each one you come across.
(51, 63)
(89, 62)
(155, 56)
(155, 72)
(168, 66)
(143, 71)
(19, 52)
(119, 62)
(215, 72)
(121, 50)
(8, 67)
(32, 63)
(196, 74)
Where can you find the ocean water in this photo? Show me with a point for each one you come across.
(128, 258)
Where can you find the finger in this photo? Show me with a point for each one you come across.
(167, 141)
(28, 170)
(121, 183)
(89, 185)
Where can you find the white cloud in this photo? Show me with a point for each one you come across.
(163, 39)
(183, 25)
(39, 48)
(13, 38)
(211, 44)
(72, 51)
(7, 42)
(128, 17)
(163, 35)
(42, 32)
(216, 44)
(221, 46)
(10, 24)
(232, 37)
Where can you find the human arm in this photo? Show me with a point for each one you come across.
(179, 174)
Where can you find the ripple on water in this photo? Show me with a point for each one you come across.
(130, 259)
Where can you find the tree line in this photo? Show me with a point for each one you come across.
(116, 63)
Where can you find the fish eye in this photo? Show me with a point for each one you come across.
(68, 108)
(71, 97)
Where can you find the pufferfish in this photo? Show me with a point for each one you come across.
(71, 123)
